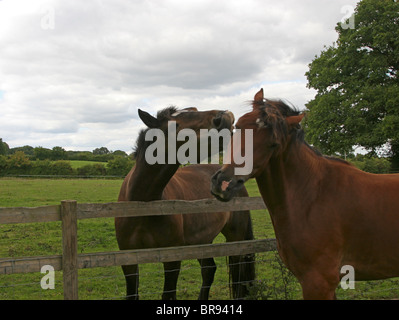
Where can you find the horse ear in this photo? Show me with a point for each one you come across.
(259, 95)
(149, 120)
(294, 120)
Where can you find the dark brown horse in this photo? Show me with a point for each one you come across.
(326, 213)
(147, 182)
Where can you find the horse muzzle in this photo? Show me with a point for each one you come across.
(225, 188)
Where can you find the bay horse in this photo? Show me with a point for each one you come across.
(148, 182)
(326, 213)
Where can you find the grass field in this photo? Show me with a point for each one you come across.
(96, 235)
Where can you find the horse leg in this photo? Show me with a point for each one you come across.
(316, 286)
(208, 269)
(171, 271)
(131, 273)
(241, 268)
(242, 274)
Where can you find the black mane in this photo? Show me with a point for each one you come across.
(141, 145)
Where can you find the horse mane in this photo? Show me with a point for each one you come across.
(274, 112)
(141, 144)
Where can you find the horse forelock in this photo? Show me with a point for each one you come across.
(273, 114)
(166, 114)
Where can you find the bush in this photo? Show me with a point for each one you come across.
(40, 167)
(282, 286)
(119, 166)
(96, 169)
(18, 163)
(372, 165)
(3, 165)
(61, 168)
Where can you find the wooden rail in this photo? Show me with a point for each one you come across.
(70, 211)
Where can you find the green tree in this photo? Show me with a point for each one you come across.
(28, 150)
(357, 100)
(42, 153)
(119, 153)
(3, 165)
(101, 151)
(4, 148)
(58, 153)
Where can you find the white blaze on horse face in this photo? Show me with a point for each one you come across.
(247, 159)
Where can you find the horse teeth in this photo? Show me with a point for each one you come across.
(225, 184)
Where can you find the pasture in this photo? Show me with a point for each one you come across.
(95, 235)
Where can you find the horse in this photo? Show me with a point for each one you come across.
(329, 217)
(168, 181)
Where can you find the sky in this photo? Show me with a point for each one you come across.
(74, 73)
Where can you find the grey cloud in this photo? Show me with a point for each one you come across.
(104, 59)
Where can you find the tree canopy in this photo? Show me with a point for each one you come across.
(356, 79)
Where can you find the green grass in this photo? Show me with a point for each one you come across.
(96, 235)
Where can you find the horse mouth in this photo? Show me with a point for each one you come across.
(225, 190)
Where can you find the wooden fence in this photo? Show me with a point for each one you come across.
(69, 211)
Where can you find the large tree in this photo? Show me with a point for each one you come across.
(356, 78)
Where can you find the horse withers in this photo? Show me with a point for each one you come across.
(326, 213)
(168, 181)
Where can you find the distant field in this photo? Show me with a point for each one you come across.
(75, 164)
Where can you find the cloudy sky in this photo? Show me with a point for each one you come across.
(73, 73)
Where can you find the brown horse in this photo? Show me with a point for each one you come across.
(326, 213)
(147, 182)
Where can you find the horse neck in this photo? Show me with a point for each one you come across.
(290, 179)
(147, 182)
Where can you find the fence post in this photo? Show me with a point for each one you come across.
(70, 249)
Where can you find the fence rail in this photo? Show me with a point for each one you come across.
(69, 211)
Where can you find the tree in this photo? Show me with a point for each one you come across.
(4, 148)
(42, 153)
(28, 150)
(119, 153)
(58, 153)
(101, 151)
(357, 100)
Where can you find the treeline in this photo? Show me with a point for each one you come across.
(58, 153)
(41, 161)
(56, 161)
(20, 164)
